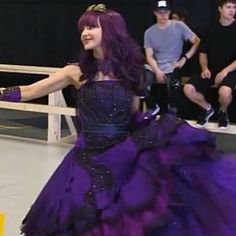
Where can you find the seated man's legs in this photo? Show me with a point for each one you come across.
(227, 87)
(194, 91)
(174, 89)
(149, 81)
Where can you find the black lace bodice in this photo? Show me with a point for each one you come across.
(106, 102)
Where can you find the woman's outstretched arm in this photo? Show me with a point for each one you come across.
(68, 75)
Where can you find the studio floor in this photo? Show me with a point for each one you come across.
(26, 165)
(24, 169)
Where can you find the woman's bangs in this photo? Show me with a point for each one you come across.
(88, 19)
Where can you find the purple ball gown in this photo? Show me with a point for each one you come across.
(127, 176)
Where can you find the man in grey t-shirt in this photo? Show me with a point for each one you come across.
(163, 43)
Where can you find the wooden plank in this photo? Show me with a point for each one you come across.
(212, 126)
(54, 121)
(28, 69)
(69, 111)
(57, 110)
(70, 139)
(69, 120)
(72, 112)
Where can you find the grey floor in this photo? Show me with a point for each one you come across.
(226, 142)
(25, 166)
(24, 169)
(27, 124)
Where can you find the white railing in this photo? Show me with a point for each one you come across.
(57, 106)
(56, 103)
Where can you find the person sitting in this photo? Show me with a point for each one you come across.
(217, 58)
(163, 43)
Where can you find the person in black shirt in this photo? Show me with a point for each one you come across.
(217, 60)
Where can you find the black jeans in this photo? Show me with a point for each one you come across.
(170, 91)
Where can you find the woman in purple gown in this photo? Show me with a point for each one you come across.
(126, 175)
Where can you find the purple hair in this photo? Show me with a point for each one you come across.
(120, 50)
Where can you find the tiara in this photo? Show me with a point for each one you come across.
(97, 7)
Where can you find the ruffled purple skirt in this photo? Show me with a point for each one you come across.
(165, 179)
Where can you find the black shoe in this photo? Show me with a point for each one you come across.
(152, 112)
(223, 120)
(204, 117)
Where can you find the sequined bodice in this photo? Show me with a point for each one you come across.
(107, 101)
(104, 102)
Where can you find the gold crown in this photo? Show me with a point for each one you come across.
(97, 7)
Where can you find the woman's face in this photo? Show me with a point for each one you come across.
(91, 37)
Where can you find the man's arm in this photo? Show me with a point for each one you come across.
(223, 73)
(203, 61)
(152, 62)
(195, 40)
(195, 43)
(231, 67)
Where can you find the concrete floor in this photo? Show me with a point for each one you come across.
(25, 166)
(24, 169)
(226, 142)
(27, 124)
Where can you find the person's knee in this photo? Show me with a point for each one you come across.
(225, 93)
(189, 90)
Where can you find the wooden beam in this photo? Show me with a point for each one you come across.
(68, 111)
(212, 126)
(28, 69)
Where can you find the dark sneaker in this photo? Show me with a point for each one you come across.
(204, 117)
(223, 120)
(152, 112)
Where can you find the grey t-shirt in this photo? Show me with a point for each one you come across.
(167, 44)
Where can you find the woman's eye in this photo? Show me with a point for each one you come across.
(91, 27)
(88, 27)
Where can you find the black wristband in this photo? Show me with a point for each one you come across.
(185, 57)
